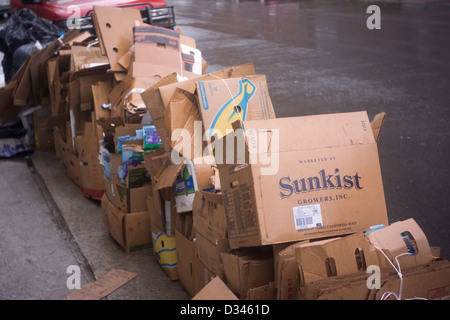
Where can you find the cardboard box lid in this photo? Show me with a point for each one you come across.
(215, 290)
(167, 178)
(317, 131)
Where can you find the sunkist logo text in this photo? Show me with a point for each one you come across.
(322, 181)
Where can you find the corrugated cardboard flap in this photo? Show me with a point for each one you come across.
(203, 173)
(391, 241)
(377, 124)
(316, 131)
(110, 124)
(115, 28)
(168, 176)
(336, 256)
(215, 290)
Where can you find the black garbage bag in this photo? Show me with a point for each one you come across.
(7, 151)
(24, 27)
(22, 53)
(13, 129)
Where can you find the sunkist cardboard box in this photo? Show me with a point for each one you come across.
(321, 178)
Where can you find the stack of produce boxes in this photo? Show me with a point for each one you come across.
(234, 202)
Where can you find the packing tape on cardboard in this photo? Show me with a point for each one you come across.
(60, 39)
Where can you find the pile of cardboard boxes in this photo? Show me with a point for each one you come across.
(234, 202)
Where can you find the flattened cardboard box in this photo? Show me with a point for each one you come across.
(102, 287)
(324, 180)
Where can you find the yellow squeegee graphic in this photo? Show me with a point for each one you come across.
(234, 109)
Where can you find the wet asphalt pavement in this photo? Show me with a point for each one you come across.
(320, 57)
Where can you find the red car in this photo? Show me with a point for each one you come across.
(155, 12)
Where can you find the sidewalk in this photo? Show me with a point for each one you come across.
(98, 252)
(34, 251)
